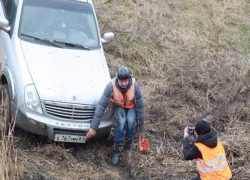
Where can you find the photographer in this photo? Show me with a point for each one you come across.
(207, 151)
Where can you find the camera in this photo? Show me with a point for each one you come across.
(191, 131)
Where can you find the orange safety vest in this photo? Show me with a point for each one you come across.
(214, 164)
(118, 97)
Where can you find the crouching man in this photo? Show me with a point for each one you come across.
(208, 152)
(126, 94)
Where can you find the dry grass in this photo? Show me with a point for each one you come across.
(190, 57)
(8, 154)
(42, 159)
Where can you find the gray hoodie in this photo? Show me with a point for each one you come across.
(105, 100)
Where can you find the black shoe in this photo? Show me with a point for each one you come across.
(128, 147)
(116, 153)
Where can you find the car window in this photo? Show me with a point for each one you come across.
(10, 7)
(67, 21)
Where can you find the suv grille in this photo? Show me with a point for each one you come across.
(70, 111)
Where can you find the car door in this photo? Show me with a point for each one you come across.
(8, 11)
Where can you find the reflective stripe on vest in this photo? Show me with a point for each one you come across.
(214, 164)
(118, 97)
(210, 163)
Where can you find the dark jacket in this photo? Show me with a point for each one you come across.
(209, 139)
(105, 100)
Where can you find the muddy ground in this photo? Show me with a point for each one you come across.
(191, 58)
(40, 159)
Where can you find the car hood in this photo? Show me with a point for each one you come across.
(66, 75)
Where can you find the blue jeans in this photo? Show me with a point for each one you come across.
(125, 121)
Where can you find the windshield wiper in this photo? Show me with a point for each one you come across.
(72, 44)
(44, 40)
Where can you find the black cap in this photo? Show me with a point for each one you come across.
(202, 127)
(122, 73)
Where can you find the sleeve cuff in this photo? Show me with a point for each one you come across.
(93, 127)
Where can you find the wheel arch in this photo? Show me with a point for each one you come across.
(8, 80)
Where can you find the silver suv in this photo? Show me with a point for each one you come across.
(53, 68)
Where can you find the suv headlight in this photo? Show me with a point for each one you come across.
(108, 111)
(32, 100)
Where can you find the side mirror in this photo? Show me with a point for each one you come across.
(4, 24)
(107, 38)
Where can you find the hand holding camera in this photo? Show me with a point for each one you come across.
(186, 132)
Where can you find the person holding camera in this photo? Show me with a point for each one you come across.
(207, 151)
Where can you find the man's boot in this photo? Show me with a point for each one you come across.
(116, 153)
(128, 147)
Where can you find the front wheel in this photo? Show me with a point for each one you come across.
(5, 113)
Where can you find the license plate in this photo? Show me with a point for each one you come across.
(69, 138)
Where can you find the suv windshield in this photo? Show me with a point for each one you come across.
(67, 21)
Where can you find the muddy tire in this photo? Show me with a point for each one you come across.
(5, 113)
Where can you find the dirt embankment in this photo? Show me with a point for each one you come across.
(191, 59)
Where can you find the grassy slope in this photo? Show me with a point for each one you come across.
(190, 57)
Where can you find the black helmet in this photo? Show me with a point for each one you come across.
(122, 73)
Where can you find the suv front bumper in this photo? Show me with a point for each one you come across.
(36, 123)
